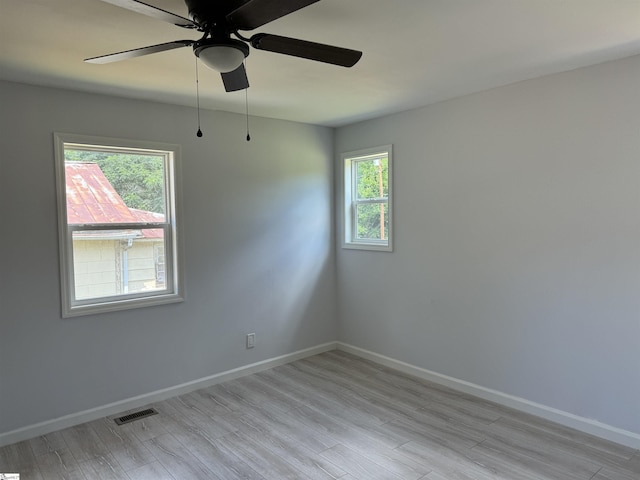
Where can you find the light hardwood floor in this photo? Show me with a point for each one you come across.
(329, 416)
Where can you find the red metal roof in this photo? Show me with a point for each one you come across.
(92, 199)
(149, 217)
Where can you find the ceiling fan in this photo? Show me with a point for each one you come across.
(218, 20)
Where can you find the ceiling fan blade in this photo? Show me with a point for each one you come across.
(235, 80)
(153, 12)
(256, 13)
(139, 52)
(304, 49)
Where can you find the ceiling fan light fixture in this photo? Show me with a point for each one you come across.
(221, 55)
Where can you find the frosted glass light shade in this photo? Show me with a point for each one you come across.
(221, 58)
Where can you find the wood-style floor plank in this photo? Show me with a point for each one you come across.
(151, 471)
(357, 464)
(176, 458)
(102, 468)
(59, 465)
(84, 443)
(216, 457)
(458, 462)
(15, 457)
(330, 416)
(311, 465)
(268, 464)
(287, 426)
(47, 443)
(129, 452)
(608, 473)
(530, 460)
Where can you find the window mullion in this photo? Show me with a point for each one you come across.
(365, 201)
(115, 226)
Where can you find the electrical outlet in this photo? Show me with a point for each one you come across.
(251, 340)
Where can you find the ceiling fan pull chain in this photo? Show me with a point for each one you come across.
(199, 133)
(246, 104)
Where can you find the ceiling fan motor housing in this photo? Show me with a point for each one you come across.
(211, 15)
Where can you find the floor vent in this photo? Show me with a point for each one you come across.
(135, 416)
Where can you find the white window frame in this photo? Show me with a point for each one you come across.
(173, 291)
(349, 162)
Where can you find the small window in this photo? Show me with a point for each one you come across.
(367, 199)
(117, 223)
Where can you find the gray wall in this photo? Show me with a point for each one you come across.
(517, 242)
(258, 242)
(516, 262)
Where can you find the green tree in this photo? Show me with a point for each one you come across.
(372, 182)
(138, 179)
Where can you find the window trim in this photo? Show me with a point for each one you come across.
(70, 307)
(349, 160)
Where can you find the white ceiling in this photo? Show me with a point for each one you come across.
(416, 52)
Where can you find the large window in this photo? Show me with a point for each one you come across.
(367, 199)
(117, 223)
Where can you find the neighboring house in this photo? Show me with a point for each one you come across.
(110, 262)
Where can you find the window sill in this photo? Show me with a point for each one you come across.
(114, 306)
(378, 247)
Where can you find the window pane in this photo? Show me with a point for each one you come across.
(372, 178)
(369, 218)
(106, 187)
(107, 263)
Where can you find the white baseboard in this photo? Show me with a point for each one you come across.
(49, 426)
(582, 424)
(567, 419)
